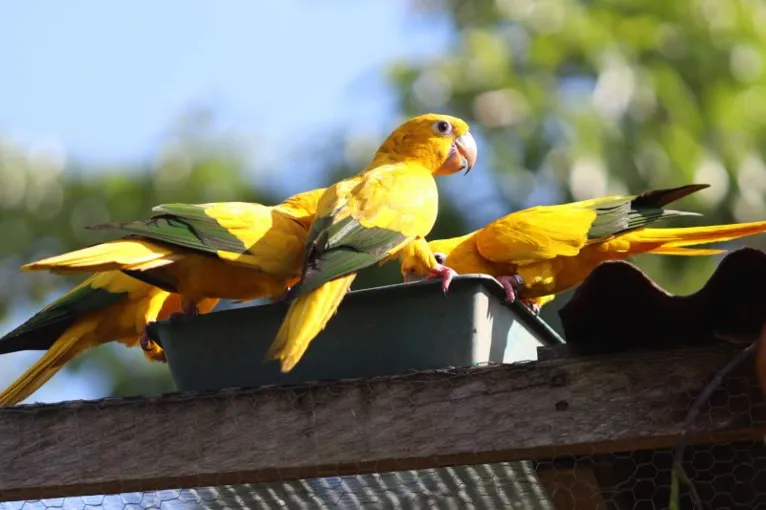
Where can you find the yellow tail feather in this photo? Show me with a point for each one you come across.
(63, 350)
(687, 252)
(137, 254)
(688, 236)
(307, 316)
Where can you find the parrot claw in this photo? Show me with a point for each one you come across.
(445, 273)
(187, 308)
(511, 284)
(533, 307)
(148, 345)
(283, 297)
(145, 342)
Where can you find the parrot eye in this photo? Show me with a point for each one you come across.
(442, 127)
(440, 257)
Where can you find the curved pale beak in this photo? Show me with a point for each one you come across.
(462, 156)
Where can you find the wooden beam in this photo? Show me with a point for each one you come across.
(423, 420)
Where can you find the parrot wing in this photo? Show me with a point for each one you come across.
(108, 306)
(537, 233)
(250, 235)
(273, 236)
(192, 226)
(545, 232)
(362, 221)
(620, 214)
(253, 235)
(43, 328)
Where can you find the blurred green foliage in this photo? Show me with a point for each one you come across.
(568, 99)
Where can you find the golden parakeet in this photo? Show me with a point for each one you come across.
(542, 251)
(370, 217)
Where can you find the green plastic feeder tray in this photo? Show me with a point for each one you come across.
(382, 331)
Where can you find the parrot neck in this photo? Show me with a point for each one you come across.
(447, 246)
(417, 156)
(414, 164)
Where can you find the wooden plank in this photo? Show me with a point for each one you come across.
(549, 352)
(424, 420)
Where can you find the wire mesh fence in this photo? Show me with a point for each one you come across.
(726, 476)
(560, 434)
(504, 485)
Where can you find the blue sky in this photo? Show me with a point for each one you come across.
(105, 81)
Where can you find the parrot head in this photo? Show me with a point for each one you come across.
(442, 248)
(441, 143)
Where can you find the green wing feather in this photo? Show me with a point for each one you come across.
(44, 327)
(158, 277)
(623, 214)
(335, 250)
(183, 225)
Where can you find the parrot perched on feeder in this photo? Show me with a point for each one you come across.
(544, 250)
(369, 218)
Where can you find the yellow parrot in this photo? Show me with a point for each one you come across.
(228, 250)
(107, 306)
(369, 218)
(542, 251)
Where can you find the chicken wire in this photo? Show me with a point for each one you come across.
(726, 476)
(484, 486)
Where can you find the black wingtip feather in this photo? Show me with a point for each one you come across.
(662, 197)
(37, 339)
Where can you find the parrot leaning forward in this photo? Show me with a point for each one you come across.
(368, 218)
(228, 250)
(542, 251)
(107, 306)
